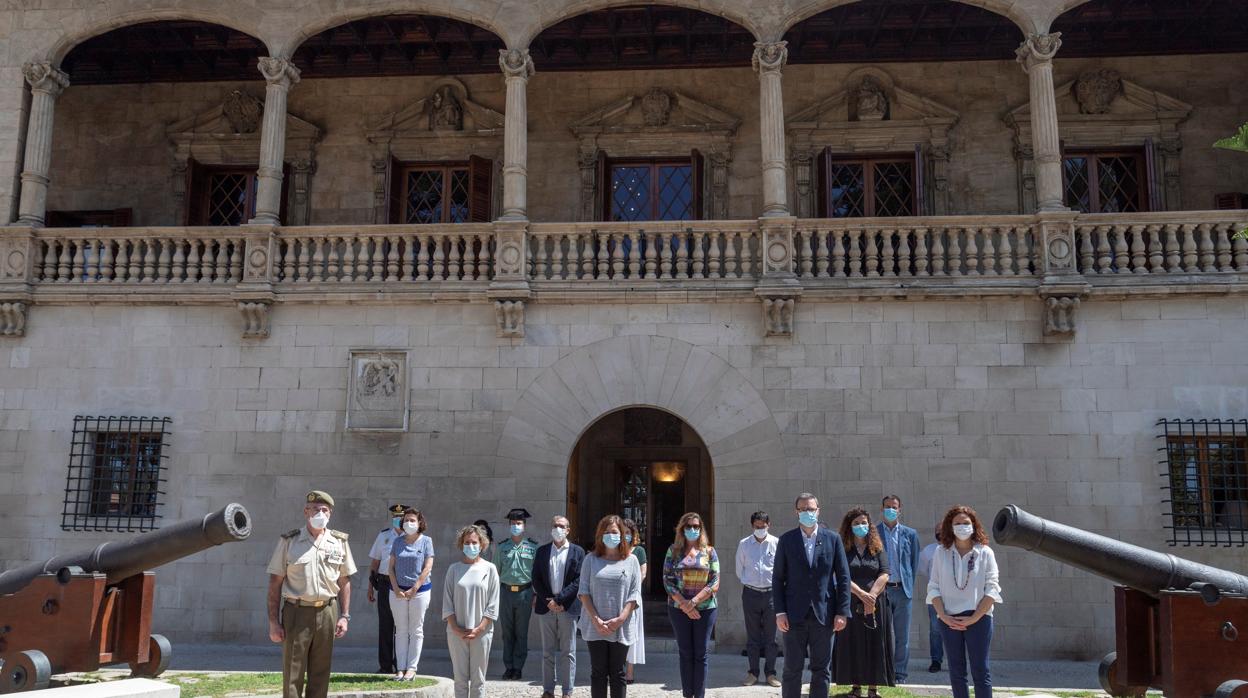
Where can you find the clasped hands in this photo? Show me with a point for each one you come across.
(868, 601)
(554, 607)
(607, 627)
(466, 634)
(689, 608)
(959, 623)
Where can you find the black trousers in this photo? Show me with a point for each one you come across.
(606, 668)
(807, 635)
(385, 626)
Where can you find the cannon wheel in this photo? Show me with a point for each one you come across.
(1108, 675)
(27, 671)
(1232, 689)
(158, 652)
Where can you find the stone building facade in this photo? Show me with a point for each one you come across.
(991, 346)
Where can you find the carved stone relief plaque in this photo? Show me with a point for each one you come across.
(377, 391)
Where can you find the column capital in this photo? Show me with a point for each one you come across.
(769, 57)
(279, 71)
(45, 77)
(1038, 49)
(516, 63)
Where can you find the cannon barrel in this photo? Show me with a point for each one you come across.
(121, 559)
(1142, 569)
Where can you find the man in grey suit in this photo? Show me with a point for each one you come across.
(902, 545)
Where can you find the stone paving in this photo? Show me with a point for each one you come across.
(659, 677)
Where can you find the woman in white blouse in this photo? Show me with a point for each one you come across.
(470, 607)
(963, 588)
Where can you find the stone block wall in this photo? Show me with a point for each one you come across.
(110, 147)
(941, 402)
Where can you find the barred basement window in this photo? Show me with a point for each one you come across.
(1207, 481)
(116, 469)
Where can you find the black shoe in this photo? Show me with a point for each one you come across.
(516, 675)
(935, 667)
(508, 674)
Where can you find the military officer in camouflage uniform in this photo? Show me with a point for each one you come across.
(515, 571)
(310, 583)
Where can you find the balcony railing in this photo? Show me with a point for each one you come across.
(1064, 256)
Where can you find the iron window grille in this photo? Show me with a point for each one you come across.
(1206, 480)
(116, 472)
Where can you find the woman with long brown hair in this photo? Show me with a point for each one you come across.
(691, 579)
(963, 587)
(610, 592)
(863, 653)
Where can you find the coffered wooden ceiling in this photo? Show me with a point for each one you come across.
(656, 36)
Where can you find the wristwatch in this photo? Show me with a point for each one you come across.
(345, 616)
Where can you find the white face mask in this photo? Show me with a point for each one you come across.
(558, 534)
(963, 531)
(319, 520)
(410, 527)
(760, 533)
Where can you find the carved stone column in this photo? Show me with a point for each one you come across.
(279, 74)
(46, 84)
(769, 59)
(517, 67)
(1036, 56)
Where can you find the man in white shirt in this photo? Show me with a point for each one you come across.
(379, 581)
(756, 558)
(556, 579)
(935, 648)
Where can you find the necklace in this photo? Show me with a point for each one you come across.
(970, 566)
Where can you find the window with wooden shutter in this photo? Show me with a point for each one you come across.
(225, 195)
(868, 187)
(1106, 181)
(459, 192)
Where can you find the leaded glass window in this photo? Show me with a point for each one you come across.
(435, 194)
(1105, 182)
(870, 187)
(652, 191)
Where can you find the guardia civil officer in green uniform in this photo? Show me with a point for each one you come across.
(515, 572)
(309, 597)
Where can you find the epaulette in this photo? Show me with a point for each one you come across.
(532, 541)
(291, 533)
(338, 534)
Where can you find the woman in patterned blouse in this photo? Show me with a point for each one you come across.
(691, 579)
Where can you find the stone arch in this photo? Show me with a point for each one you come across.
(1010, 9)
(224, 15)
(737, 12)
(478, 12)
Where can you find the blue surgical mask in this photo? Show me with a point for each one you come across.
(861, 530)
(628, 538)
(692, 533)
(396, 522)
(472, 550)
(891, 514)
(611, 540)
(517, 529)
(808, 518)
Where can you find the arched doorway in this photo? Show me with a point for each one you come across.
(644, 464)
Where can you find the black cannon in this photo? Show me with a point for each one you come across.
(80, 611)
(1178, 623)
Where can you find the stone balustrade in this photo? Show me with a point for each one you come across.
(692, 251)
(1060, 257)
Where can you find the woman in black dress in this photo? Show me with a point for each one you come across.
(863, 653)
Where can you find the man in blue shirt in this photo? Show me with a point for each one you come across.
(902, 545)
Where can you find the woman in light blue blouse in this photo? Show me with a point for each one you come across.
(411, 564)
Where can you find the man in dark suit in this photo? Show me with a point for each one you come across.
(810, 590)
(556, 577)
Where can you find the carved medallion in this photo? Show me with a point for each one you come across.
(243, 111)
(1095, 90)
(656, 107)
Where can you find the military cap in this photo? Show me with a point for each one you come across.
(398, 509)
(317, 496)
(518, 513)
